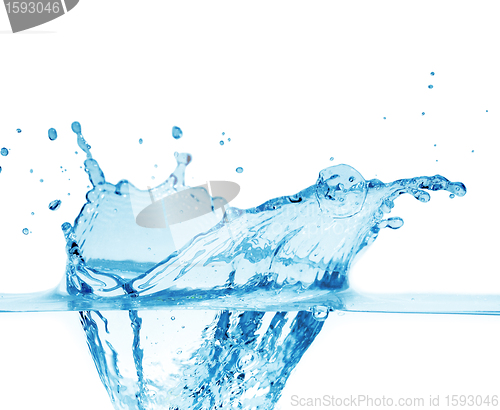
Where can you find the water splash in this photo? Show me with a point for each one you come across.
(263, 281)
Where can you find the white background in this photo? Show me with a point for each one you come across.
(292, 84)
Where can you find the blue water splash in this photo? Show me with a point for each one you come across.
(263, 281)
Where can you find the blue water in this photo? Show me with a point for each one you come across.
(55, 204)
(52, 134)
(216, 311)
(4, 151)
(176, 132)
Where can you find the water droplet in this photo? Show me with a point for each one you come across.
(412, 299)
(26, 231)
(0, 169)
(472, 150)
(229, 139)
(223, 133)
(486, 110)
(149, 249)
(430, 86)
(340, 313)
(179, 351)
(153, 177)
(352, 179)
(331, 158)
(4, 151)
(52, 134)
(221, 143)
(320, 313)
(239, 170)
(140, 141)
(18, 130)
(76, 152)
(32, 213)
(423, 113)
(384, 118)
(76, 127)
(172, 318)
(55, 205)
(434, 144)
(452, 196)
(156, 165)
(31, 171)
(176, 132)
(41, 180)
(432, 72)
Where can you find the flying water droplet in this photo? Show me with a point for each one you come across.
(423, 113)
(52, 134)
(331, 158)
(176, 132)
(432, 72)
(239, 170)
(55, 205)
(229, 139)
(172, 318)
(26, 231)
(221, 143)
(41, 180)
(452, 196)
(31, 171)
(4, 151)
(430, 86)
(18, 130)
(140, 141)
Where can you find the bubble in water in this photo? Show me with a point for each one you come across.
(26, 231)
(239, 170)
(52, 134)
(172, 318)
(432, 72)
(18, 130)
(221, 143)
(76, 127)
(55, 205)
(4, 151)
(247, 360)
(140, 141)
(430, 86)
(176, 132)
(320, 313)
